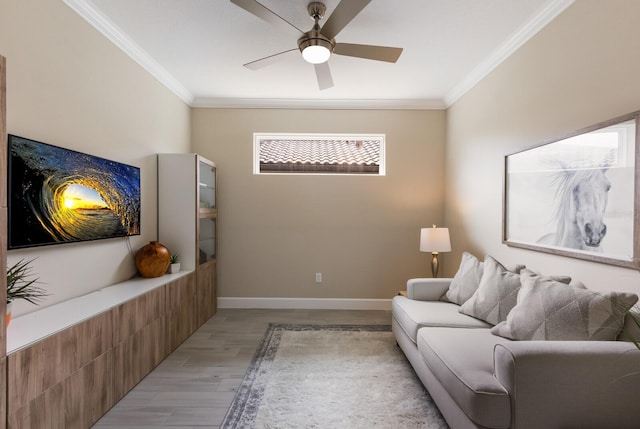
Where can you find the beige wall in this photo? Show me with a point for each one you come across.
(580, 70)
(69, 86)
(362, 233)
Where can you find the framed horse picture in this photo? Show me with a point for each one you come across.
(577, 196)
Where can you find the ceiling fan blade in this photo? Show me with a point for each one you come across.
(266, 14)
(323, 74)
(267, 61)
(341, 16)
(370, 52)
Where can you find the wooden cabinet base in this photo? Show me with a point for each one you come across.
(72, 378)
(3, 388)
(76, 402)
(207, 296)
(181, 311)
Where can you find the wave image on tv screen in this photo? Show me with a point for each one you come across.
(57, 195)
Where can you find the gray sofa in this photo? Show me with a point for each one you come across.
(481, 380)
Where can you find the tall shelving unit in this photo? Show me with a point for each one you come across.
(187, 220)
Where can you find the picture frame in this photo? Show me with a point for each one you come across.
(58, 195)
(577, 195)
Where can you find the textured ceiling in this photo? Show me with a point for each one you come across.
(197, 48)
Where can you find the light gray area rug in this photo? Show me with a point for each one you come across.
(335, 376)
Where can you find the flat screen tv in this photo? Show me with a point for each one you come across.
(58, 195)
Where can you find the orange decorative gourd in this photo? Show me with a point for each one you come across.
(152, 260)
(9, 311)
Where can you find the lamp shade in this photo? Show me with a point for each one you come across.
(435, 240)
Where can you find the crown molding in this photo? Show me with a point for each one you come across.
(111, 31)
(519, 38)
(292, 103)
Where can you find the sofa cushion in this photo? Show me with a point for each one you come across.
(631, 328)
(462, 360)
(549, 310)
(412, 315)
(466, 280)
(496, 294)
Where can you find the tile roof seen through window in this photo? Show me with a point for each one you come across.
(325, 155)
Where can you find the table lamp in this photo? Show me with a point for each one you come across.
(434, 240)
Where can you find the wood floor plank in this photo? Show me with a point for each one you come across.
(195, 385)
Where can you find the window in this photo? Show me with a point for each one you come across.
(361, 154)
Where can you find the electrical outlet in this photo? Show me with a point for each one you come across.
(318, 277)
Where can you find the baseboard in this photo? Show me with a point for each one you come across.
(306, 303)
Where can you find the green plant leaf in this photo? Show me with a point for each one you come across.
(22, 285)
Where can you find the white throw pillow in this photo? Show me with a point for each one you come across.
(498, 292)
(496, 295)
(466, 280)
(550, 310)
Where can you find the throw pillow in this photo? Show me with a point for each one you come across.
(550, 310)
(466, 280)
(631, 327)
(496, 294)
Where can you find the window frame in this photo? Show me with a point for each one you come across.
(258, 137)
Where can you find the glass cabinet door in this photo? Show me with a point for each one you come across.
(207, 174)
(207, 240)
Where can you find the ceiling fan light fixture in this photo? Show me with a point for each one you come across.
(315, 48)
(316, 54)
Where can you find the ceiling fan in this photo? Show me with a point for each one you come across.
(317, 44)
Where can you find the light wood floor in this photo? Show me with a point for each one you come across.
(195, 385)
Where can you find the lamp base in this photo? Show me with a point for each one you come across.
(434, 264)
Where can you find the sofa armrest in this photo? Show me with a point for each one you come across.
(428, 289)
(570, 384)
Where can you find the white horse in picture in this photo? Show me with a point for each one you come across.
(581, 198)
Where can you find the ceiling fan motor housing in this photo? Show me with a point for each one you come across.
(314, 37)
